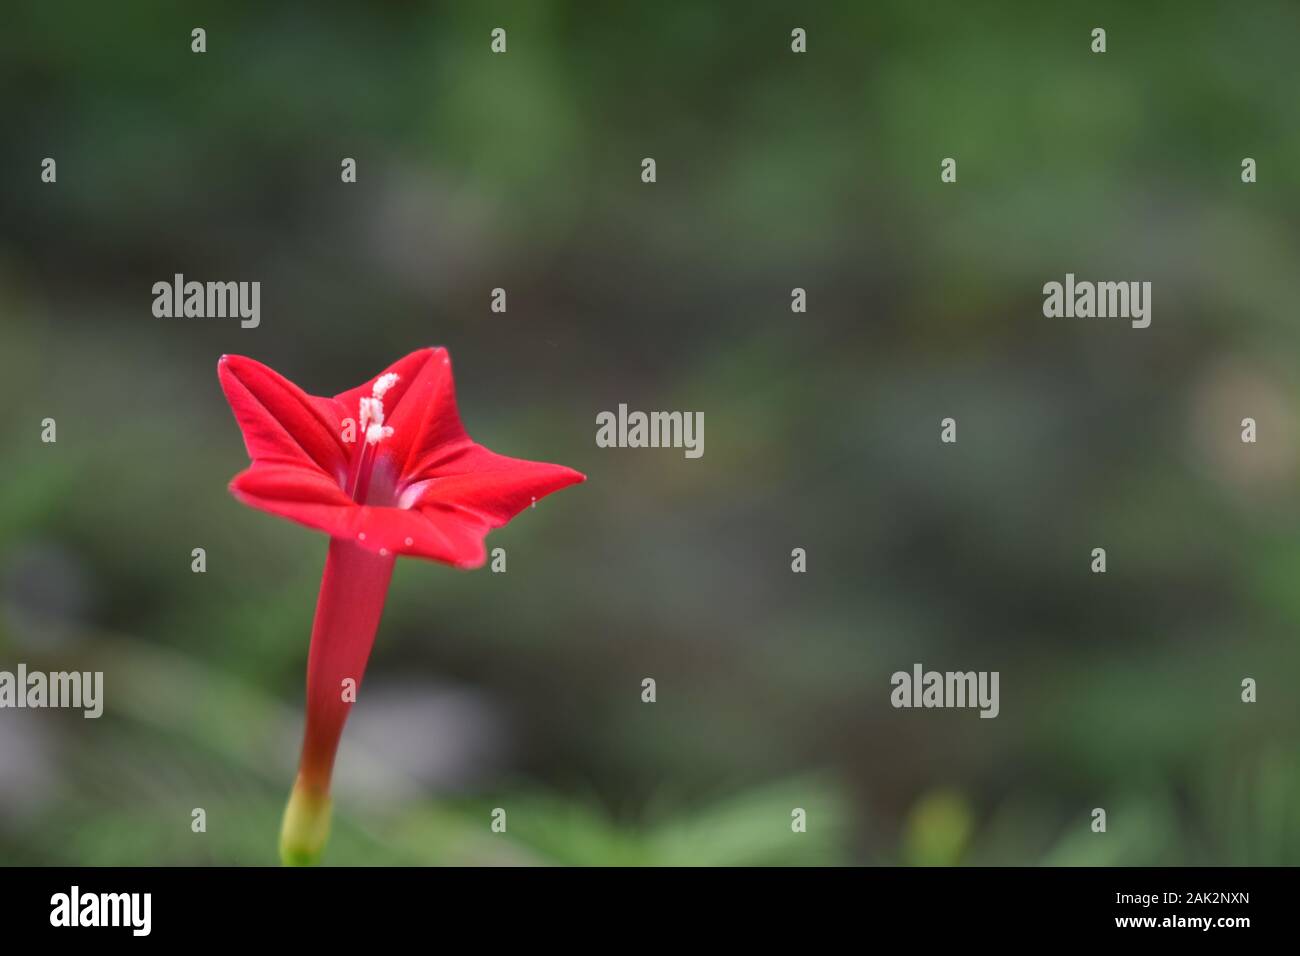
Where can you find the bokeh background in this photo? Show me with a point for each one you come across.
(522, 690)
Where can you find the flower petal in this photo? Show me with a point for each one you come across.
(491, 487)
(406, 370)
(280, 422)
(301, 494)
(435, 533)
(312, 499)
(424, 418)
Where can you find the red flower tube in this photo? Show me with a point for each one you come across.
(385, 469)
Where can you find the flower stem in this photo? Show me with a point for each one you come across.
(351, 602)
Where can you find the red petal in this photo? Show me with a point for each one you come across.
(424, 418)
(312, 499)
(406, 369)
(281, 423)
(488, 486)
(435, 533)
(299, 494)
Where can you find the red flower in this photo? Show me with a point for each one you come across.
(416, 484)
(384, 469)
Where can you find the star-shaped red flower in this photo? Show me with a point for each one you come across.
(421, 487)
(385, 469)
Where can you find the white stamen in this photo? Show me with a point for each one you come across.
(372, 409)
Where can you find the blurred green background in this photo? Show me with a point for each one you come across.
(522, 690)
